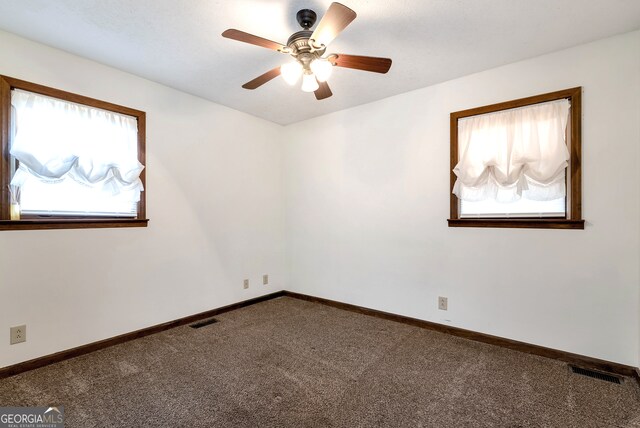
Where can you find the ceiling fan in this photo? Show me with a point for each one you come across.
(307, 49)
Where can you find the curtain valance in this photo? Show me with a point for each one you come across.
(55, 139)
(506, 153)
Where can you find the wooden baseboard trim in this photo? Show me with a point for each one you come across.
(579, 360)
(568, 357)
(91, 347)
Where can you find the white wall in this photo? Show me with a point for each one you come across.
(363, 204)
(368, 199)
(216, 209)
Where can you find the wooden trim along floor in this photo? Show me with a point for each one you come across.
(576, 359)
(95, 346)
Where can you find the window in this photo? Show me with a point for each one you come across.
(517, 164)
(69, 161)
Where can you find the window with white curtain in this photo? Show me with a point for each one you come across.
(512, 163)
(72, 158)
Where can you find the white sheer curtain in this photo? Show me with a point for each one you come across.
(508, 154)
(56, 140)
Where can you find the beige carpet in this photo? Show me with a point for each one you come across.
(291, 363)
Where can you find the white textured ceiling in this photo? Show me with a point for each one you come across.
(178, 42)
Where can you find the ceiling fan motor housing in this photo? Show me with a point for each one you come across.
(299, 42)
(302, 50)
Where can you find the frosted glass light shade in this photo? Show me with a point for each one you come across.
(291, 72)
(322, 69)
(309, 83)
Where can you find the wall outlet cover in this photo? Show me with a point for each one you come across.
(246, 284)
(265, 279)
(18, 334)
(442, 303)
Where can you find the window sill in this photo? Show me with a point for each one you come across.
(34, 224)
(519, 223)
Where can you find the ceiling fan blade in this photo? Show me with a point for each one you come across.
(262, 79)
(336, 19)
(323, 91)
(241, 36)
(366, 63)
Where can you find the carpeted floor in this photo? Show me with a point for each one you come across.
(291, 363)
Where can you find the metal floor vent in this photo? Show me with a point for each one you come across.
(204, 323)
(595, 375)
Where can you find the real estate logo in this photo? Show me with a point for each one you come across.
(32, 417)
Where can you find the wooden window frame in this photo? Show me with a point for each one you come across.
(37, 222)
(573, 218)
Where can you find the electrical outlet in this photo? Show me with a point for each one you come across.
(442, 303)
(246, 284)
(265, 279)
(18, 334)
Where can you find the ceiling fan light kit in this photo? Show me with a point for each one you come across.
(307, 49)
(322, 68)
(309, 82)
(291, 72)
